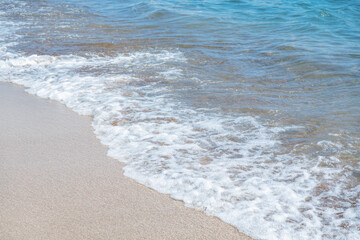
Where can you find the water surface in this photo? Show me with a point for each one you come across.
(247, 110)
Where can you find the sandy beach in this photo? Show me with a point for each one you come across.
(56, 182)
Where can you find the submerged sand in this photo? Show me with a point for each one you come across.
(56, 182)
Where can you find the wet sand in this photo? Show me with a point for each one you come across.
(56, 182)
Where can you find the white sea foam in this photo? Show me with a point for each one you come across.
(230, 167)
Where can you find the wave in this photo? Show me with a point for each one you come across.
(233, 166)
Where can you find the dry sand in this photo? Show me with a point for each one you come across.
(56, 182)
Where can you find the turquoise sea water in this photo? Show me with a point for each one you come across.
(298, 57)
(247, 110)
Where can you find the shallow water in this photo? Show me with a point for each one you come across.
(248, 110)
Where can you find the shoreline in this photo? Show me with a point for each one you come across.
(56, 182)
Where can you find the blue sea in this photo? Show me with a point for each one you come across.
(246, 110)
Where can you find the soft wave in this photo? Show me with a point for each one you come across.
(233, 166)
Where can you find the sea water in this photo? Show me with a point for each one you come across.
(247, 110)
